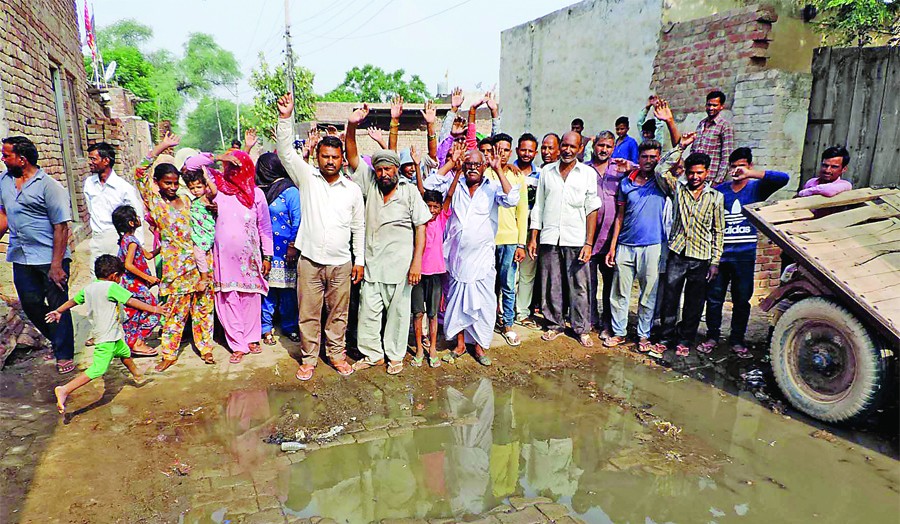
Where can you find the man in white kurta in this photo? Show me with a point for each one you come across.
(469, 253)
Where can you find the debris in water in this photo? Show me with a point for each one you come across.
(824, 435)
(753, 379)
(180, 468)
(185, 413)
(331, 433)
(779, 484)
(292, 446)
(667, 428)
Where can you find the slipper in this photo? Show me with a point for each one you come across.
(613, 341)
(741, 351)
(342, 367)
(394, 368)
(550, 335)
(433, 361)
(417, 362)
(644, 346)
(208, 358)
(657, 350)
(512, 338)
(708, 346)
(268, 339)
(484, 360)
(452, 357)
(305, 372)
(682, 350)
(586, 340)
(365, 363)
(529, 323)
(65, 366)
(89, 342)
(605, 334)
(236, 357)
(254, 348)
(152, 353)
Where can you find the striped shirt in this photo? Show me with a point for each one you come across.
(698, 230)
(715, 137)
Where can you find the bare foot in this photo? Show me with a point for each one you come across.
(139, 380)
(61, 397)
(164, 365)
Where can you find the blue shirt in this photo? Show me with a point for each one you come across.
(285, 214)
(31, 214)
(643, 224)
(627, 148)
(740, 233)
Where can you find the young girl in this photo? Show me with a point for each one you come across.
(203, 224)
(137, 280)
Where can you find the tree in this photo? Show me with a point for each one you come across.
(204, 121)
(373, 84)
(168, 101)
(124, 33)
(270, 84)
(134, 73)
(205, 65)
(859, 22)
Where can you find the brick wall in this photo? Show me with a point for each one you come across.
(709, 53)
(768, 267)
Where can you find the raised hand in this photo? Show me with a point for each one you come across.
(375, 134)
(286, 105)
(491, 101)
(456, 99)
(494, 162)
(456, 153)
(687, 139)
(417, 158)
(662, 111)
(429, 113)
(169, 140)
(250, 139)
(356, 117)
(458, 127)
(396, 107)
(229, 159)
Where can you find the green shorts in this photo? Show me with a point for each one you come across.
(104, 352)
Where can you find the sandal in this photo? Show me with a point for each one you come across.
(586, 340)
(65, 366)
(49, 356)
(613, 341)
(236, 357)
(644, 346)
(394, 368)
(433, 361)
(529, 323)
(605, 335)
(512, 338)
(305, 372)
(741, 351)
(208, 358)
(452, 356)
(708, 346)
(682, 350)
(294, 337)
(483, 359)
(342, 367)
(657, 350)
(254, 348)
(550, 335)
(365, 363)
(89, 342)
(268, 339)
(416, 362)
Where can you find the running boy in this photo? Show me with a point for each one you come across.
(103, 298)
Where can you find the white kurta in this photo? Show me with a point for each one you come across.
(469, 254)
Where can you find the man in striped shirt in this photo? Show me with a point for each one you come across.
(715, 137)
(695, 244)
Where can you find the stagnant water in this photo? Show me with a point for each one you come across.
(596, 440)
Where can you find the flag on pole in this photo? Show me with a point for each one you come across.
(89, 31)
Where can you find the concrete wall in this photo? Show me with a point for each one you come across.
(592, 60)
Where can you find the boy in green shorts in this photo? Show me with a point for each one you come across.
(103, 298)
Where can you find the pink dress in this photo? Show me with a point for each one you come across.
(243, 236)
(433, 256)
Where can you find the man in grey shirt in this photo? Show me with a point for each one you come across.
(36, 211)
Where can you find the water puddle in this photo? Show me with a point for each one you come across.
(615, 442)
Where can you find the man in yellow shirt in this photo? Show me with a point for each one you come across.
(512, 228)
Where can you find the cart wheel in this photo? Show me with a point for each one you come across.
(826, 362)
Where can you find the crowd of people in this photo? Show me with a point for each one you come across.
(463, 238)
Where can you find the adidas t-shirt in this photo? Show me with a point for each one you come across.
(740, 234)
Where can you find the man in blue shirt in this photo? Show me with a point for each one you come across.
(626, 147)
(747, 186)
(36, 211)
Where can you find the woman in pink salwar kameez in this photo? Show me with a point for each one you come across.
(242, 255)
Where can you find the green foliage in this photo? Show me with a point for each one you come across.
(134, 72)
(858, 22)
(203, 124)
(205, 65)
(165, 80)
(373, 84)
(270, 84)
(123, 33)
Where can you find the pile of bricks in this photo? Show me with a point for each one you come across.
(16, 330)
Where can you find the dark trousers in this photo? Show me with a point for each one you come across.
(39, 295)
(687, 275)
(563, 275)
(601, 317)
(740, 277)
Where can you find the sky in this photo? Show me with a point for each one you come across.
(430, 38)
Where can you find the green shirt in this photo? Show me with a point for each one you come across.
(203, 225)
(103, 299)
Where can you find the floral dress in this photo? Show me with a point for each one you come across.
(138, 324)
(285, 213)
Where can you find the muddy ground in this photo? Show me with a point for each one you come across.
(191, 439)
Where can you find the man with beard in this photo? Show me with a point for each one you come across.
(565, 215)
(609, 174)
(395, 240)
(469, 251)
(36, 211)
(333, 220)
(104, 191)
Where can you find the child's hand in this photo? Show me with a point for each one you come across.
(53, 316)
(153, 281)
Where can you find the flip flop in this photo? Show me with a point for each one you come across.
(305, 372)
(484, 360)
(707, 346)
(208, 358)
(741, 351)
(236, 357)
(586, 341)
(613, 341)
(365, 363)
(550, 335)
(452, 357)
(268, 339)
(512, 338)
(254, 348)
(153, 353)
(65, 366)
(644, 346)
(682, 350)
(394, 368)
(417, 362)
(343, 368)
(434, 362)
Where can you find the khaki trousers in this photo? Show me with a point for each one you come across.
(319, 285)
(377, 300)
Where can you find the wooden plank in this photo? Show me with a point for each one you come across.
(852, 252)
(873, 283)
(879, 266)
(883, 293)
(869, 211)
(892, 200)
(854, 196)
(846, 63)
(881, 228)
(863, 119)
(889, 309)
(821, 70)
(886, 159)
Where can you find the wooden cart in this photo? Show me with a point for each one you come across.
(837, 329)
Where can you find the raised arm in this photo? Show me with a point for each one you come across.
(471, 139)
(494, 106)
(664, 112)
(663, 172)
(297, 168)
(456, 100)
(378, 136)
(396, 113)
(429, 114)
(353, 121)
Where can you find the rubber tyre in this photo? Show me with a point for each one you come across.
(869, 381)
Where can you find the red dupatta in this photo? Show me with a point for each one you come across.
(238, 181)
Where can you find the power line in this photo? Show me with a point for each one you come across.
(337, 12)
(338, 39)
(312, 37)
(255, 30)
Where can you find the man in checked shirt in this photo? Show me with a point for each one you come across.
(714, 136)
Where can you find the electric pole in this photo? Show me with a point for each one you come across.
(289, 81)
(237, 109)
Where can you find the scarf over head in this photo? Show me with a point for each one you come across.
(237, 181)
(271, 176)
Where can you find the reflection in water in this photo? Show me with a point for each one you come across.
(597, 458)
